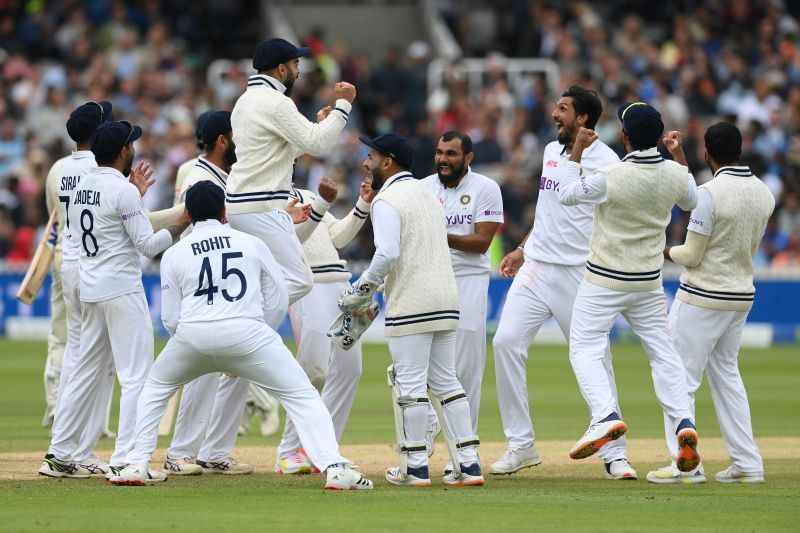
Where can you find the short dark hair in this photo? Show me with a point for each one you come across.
(637, 145)
(466, 141)
(724, 143)
(105, 159)
(586, 102)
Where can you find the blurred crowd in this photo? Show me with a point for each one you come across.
(696, 61)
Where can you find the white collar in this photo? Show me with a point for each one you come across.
(209, 223)
(82, 154)
(269, 81)
(400, 176)
(110, 171)
(208, 166)
(648, 156)
(739, 171)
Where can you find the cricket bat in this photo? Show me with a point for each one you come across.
(165, 426)
(40, 264)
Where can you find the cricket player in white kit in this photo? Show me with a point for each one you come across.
(715, 296)
(210, 405)
(334, 371)
(62, 181)
(547, 269)
(473, 209)
(270, 133)
(634, 201)
(421, 314)
(220, 289)
(108, 220)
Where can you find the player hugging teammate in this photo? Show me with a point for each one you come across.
(259, 246)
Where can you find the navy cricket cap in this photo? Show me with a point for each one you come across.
(394, 146)
(216, 124)
(205, 200)
(198, 125)
(273, 52)
(111, 137)
(86, 118)
(641, 123)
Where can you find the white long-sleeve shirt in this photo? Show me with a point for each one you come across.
(386, 227)
(109, 222)
(590, 188)
(270, 133)
(561, 234)
(218, 273)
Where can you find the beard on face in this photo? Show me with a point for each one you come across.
(230, 154)
(455, 172)
(378, 178)
(289, 83)
(126, 170)
(567, 136)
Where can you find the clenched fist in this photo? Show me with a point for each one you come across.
(345, 91)
(585, 138)
(327, 189)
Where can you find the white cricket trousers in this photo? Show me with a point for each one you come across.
(246, 348)
(56, 342)
(117, 331)
(205, 417)
(473, 295)
(97, 415)
(425, 361)
(708, 340)
(333, 371)
(596, 308)
(539, 291)
(276, 229)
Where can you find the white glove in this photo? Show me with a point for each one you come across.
(358, 297)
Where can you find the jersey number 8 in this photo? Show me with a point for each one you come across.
(206, 274)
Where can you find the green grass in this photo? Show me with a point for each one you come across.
(566, 499)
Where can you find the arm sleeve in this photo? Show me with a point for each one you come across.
(690, 253)
(309, 137)
(166, 217)
(319, 209)
(689, 200)
(490, 204)
(171, 297)
(702, 218)
(587, 189)
(386, 225)
(343, 230)
(130, 209)
(273, 290)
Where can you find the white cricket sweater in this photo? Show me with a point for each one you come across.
(742, 205)
(323, 234)
(270, 133)
(420, 289)
(628, 236)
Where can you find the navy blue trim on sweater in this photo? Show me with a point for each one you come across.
(622, 276)
(715, 295)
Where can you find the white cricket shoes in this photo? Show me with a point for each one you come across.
(596, 436)
(515, 460)
(186, 466)
(340, 477)
(470, 476)
(733, 475)
(620, 469)
(671, 475)
(137, 476)
(52, 467)
(96, 466)
(228, 466)
(415, 477)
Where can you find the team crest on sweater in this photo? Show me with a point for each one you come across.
(465, 199)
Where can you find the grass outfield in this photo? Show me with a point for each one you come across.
(563, 494)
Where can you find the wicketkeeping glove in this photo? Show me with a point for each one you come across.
(358, 297)
(347, 328)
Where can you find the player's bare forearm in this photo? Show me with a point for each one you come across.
(177, 229)
(474, 243)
